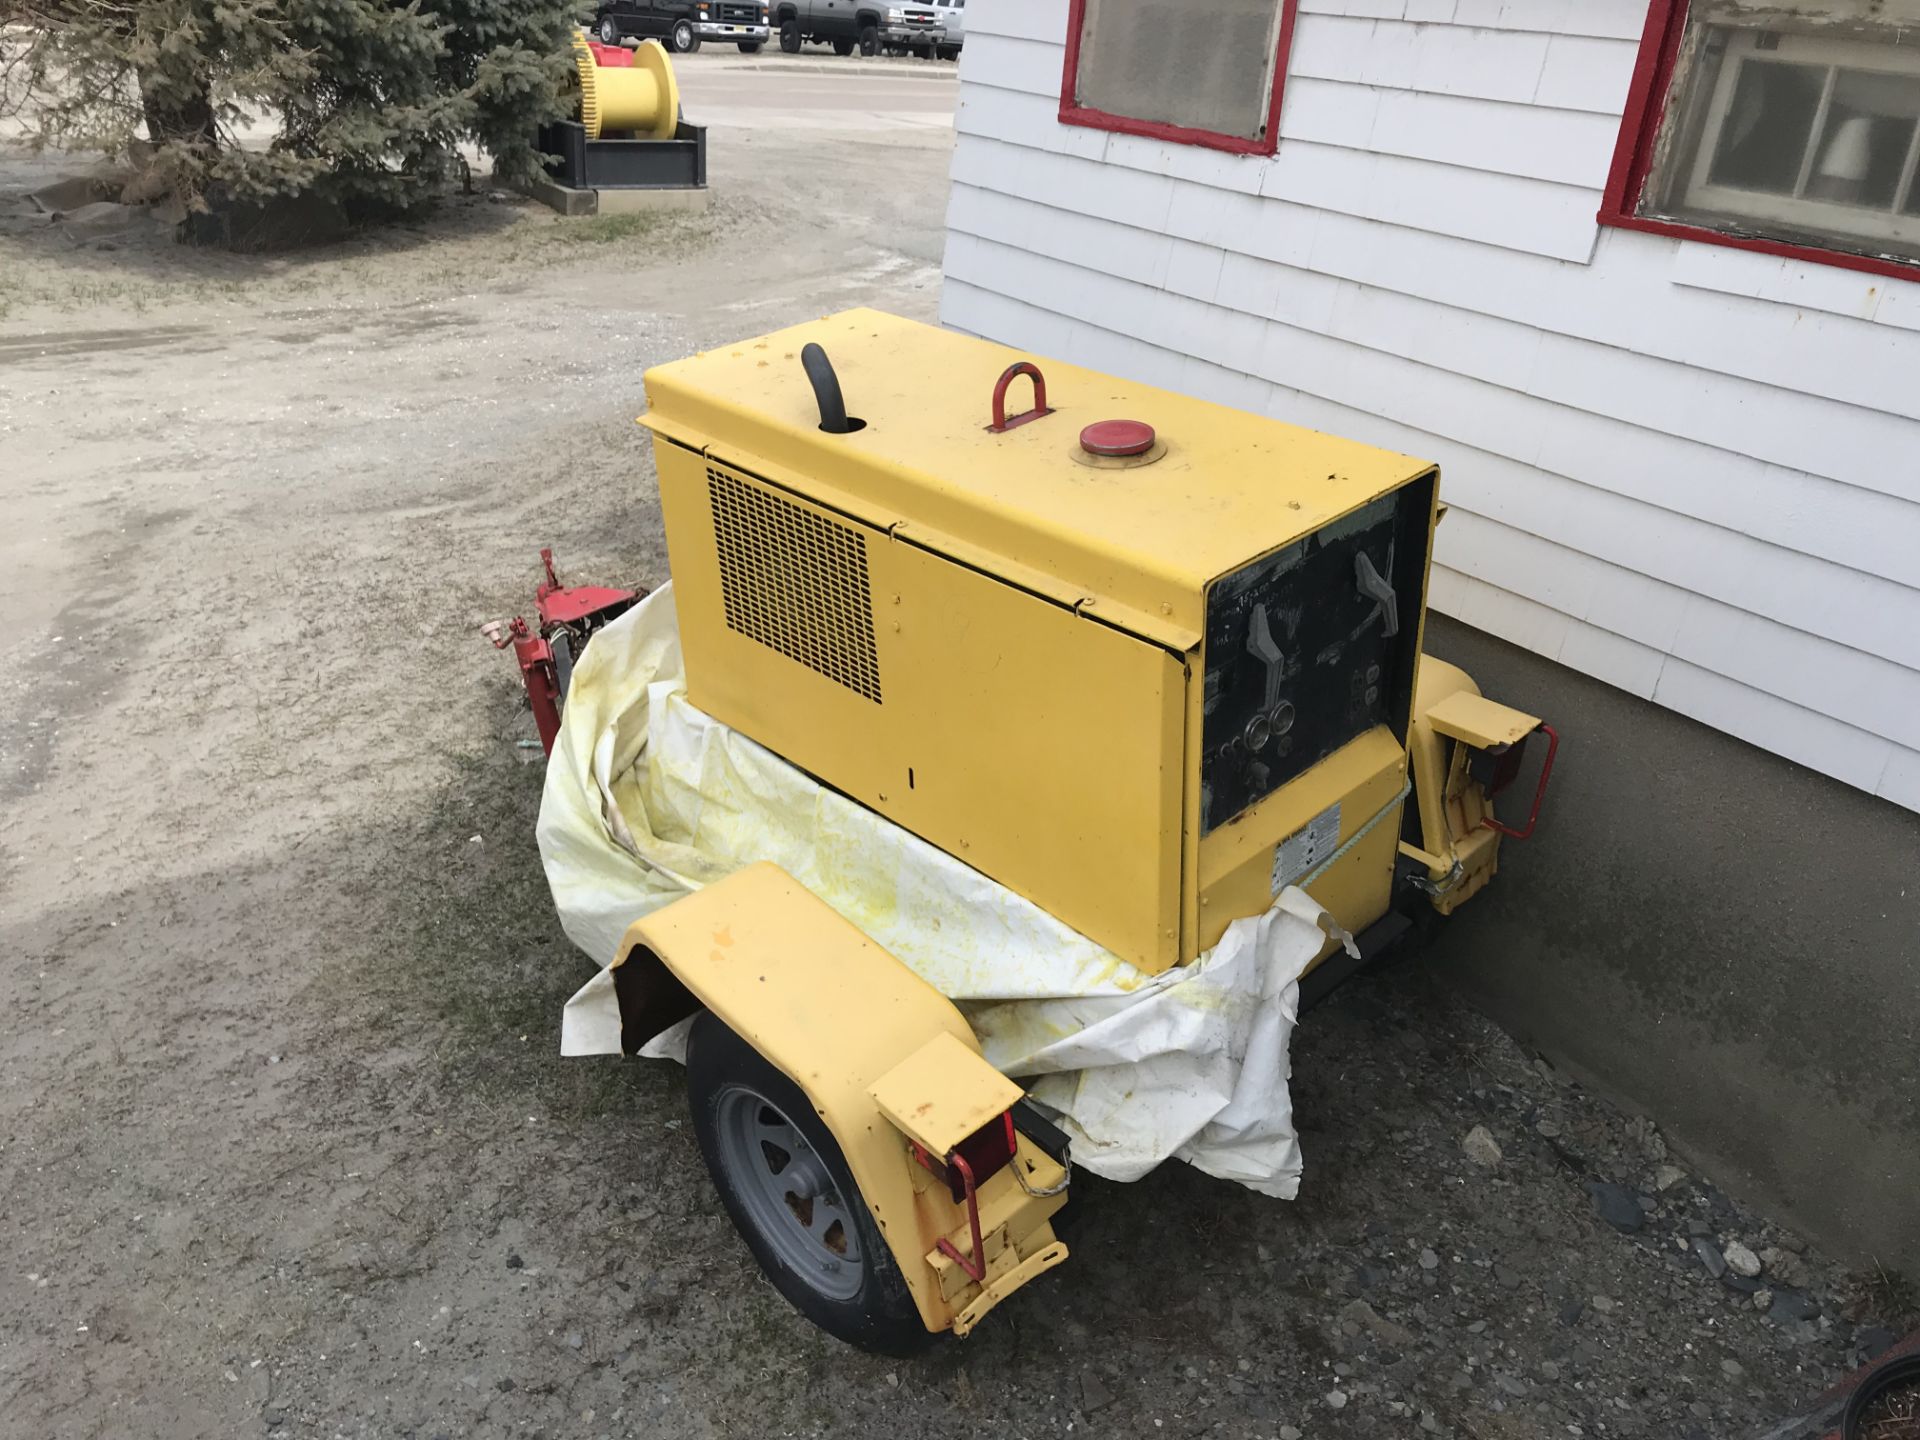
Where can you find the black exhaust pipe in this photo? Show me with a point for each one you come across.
(834, 419)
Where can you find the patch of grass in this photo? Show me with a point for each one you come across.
(603, 229)
(660, 230)
(475, 968)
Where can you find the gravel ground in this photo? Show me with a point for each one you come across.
(286, 1148)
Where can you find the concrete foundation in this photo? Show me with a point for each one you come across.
(569, 201)
(1722, 940)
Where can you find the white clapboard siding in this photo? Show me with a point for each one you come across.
(1599, 19)
(1689, 471)
(1823, 355)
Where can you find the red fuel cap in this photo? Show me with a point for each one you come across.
(1117, 437)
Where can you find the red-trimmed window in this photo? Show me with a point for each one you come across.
(1196, 73)
(1791, 128)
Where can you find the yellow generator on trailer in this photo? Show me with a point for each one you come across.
(1142, 659)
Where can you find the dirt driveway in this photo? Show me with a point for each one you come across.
(287, 1148)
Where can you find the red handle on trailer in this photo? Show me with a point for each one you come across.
(976, 1264)
(1001, 423)
(1539, 792)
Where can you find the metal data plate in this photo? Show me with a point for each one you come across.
(1300, 852)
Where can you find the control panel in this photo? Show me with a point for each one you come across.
(1310, 646)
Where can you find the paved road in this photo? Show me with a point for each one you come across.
(817, 91)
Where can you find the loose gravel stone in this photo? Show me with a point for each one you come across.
(1617, 1205)
(1789, 1306)
(1709, 1255)
(1481, 1148)
(1094, 1393)
(1874, 1341)
(1741, 1260)
(1785, 1266)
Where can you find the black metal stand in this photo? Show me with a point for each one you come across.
(616, 162)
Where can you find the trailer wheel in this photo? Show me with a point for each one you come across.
(787, 1187)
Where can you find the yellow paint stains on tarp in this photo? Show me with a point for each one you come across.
(648, 798)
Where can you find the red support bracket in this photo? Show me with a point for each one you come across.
(1539, 792)
(976, 1267)
(537, 672)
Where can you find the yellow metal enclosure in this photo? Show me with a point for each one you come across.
(1146, 692)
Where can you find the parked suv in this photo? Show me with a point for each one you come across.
(863, 25)
(682, 24)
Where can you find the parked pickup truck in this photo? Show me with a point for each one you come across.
(865, 25)
(682, 24)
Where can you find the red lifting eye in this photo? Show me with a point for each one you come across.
(1117, 438)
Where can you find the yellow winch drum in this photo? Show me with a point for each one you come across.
(642, 99)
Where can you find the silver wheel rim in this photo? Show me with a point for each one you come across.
(789, 1193)
(609, 34)
(682, 36)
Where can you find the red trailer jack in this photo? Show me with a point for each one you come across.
(569, 615)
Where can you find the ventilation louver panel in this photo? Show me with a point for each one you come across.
(795, 581)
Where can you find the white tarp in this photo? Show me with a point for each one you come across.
(648, 798)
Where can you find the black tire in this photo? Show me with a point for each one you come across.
(949, 52)
(750, 47)
(790, 37)
(869, 40)
(609, 30)
(681, 39)
(727, 1077)
(843, 47)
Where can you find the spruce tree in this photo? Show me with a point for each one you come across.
(366, 101)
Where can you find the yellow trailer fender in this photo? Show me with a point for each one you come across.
(842, 1018)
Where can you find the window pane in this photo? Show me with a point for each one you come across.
(1768, 121)
(1205, 67)
(1863, 147)
(1797, 130)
